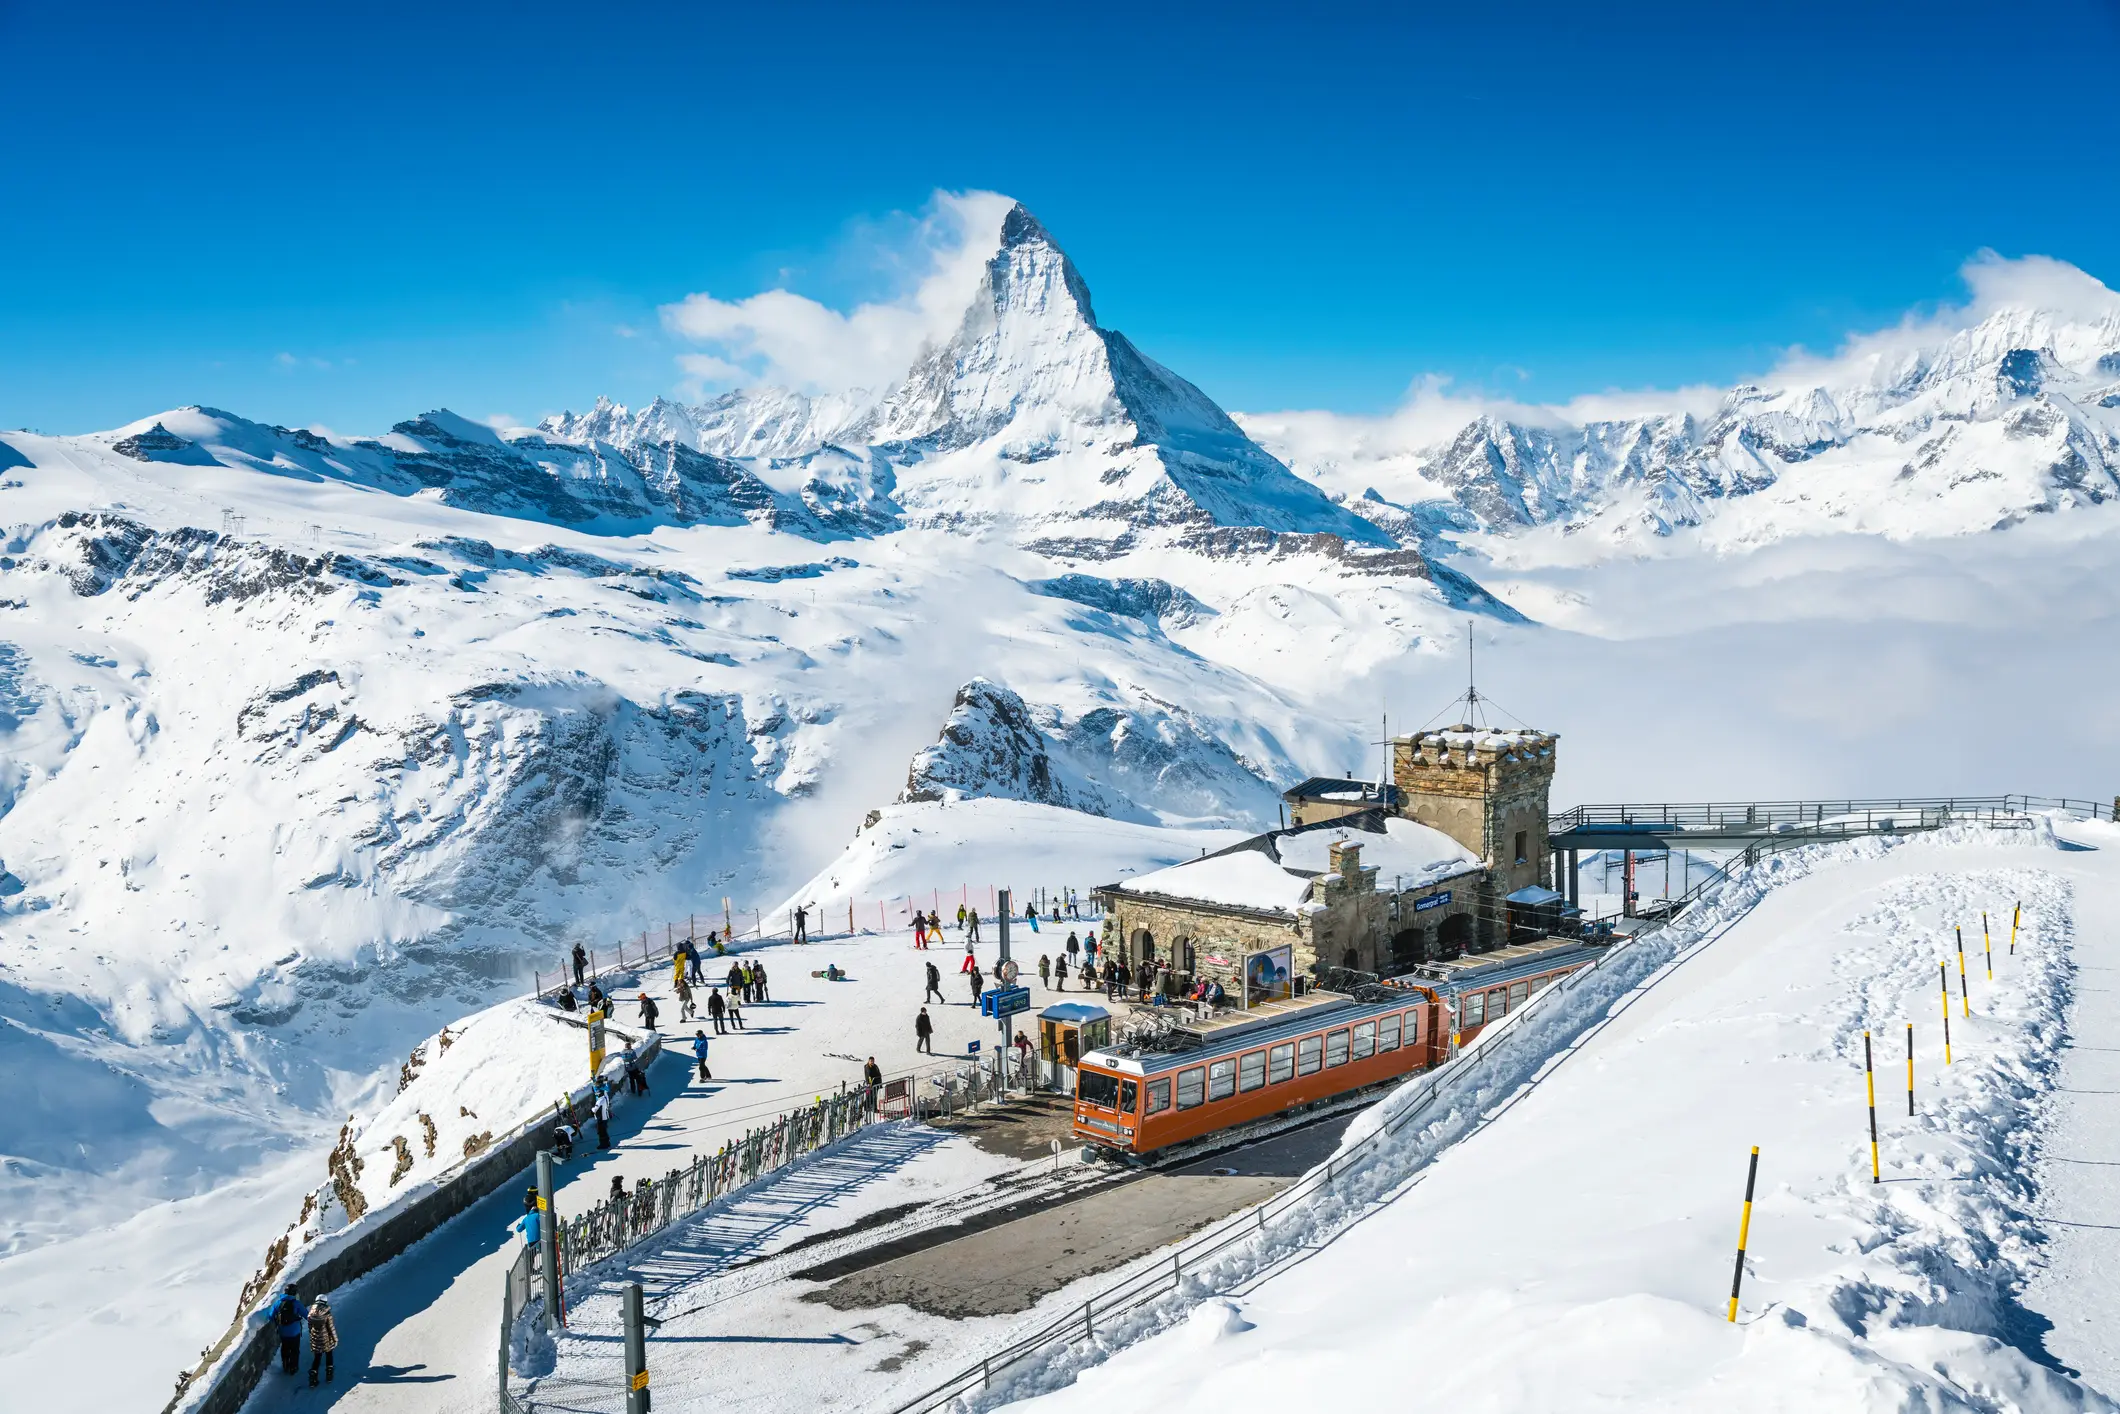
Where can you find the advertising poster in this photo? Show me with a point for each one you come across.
(1269, 976)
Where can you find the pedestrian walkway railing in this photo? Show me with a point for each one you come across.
(1825, 817)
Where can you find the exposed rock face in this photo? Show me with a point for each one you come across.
(1146, 761)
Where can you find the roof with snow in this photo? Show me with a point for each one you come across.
(1341, 788)
(1273, 873)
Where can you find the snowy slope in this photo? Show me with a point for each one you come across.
(1574, 1251)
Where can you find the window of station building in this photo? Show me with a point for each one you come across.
(1158, 1096)
(1129, 1094)
(1221, 1079)
(1472, 1010)
(1523, 840)
(1517, 992)
(1310, 1052)
(1365, 1040)
(1094, 1087)
(1192, 1087)
(1281, 1062)
(1336, 1047)
(1388, 1033)
(1251, 1071)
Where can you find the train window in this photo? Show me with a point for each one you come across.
(1413, 1027)
(1129, 1094)
(1497, 1003)
(1365, 1040)
(1221, 1079)
(1281, 1062)
(1309, 1052)
(1158, 1096)
(1094, 1087)
(1336, 1047)
(1472, 1010)
(1251, 1071)
(1192, 1087)
(1517, 993)
(1388, 1032)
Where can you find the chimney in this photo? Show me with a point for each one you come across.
(1345, 860)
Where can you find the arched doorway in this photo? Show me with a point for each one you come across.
(1144, 947)
(1184, 960)
(1454, 935)
(1409, 946)
(1351, 960)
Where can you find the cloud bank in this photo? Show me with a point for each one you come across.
(783, 338)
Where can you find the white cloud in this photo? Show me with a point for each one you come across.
(781, 337)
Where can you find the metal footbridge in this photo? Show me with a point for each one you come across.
(1756, 827)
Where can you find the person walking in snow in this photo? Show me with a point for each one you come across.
(602, 1111)
(1060, 973)
(1074, 947)
(692, 972)
(978, 981)
(1045, 972)
(647, 1011)
(323, 1338)
(960, 917)
(758, 975)
(289, 1315)
(581, 962)
(699, 1053)
(687, 1009)
(802, 923)
(920, 932)
(736, 978)
(716, 1008)
(1030, 916)
(735, 1015)
(934, 984)
(923, 1033)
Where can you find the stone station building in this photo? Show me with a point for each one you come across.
(1449, 857)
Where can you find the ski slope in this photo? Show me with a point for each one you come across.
(1574, 1251)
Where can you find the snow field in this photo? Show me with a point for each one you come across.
(1573, 1248)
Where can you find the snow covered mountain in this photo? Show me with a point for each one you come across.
(1031, 413)
(1971, 421)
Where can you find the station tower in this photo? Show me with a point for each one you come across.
(1488, 788)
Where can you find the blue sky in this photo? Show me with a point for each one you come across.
(323, 215)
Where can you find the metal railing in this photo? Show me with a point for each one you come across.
(1823, 816)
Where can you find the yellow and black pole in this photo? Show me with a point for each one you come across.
(1944, 968)
(1869, 1080)
(1988, 944)
(1964, 998)
(2015, 912)
(1910, 1067)
(1744, 1232)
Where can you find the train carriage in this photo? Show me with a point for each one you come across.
(1325, 1045)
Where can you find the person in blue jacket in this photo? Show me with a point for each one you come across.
(289, 1315)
